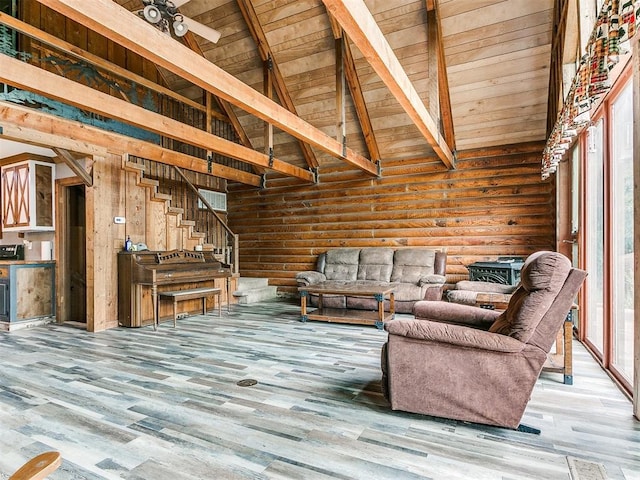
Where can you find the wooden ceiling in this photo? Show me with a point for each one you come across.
(497, 54)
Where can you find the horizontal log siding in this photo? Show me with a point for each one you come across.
(487, 207)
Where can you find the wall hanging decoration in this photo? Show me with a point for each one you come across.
(616, 24)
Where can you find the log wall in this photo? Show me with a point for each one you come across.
(494, 204)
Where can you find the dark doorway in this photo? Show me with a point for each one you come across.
(75, 255)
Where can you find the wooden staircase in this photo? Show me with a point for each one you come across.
(166, 227)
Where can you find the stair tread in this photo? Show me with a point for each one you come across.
(133, 167)
(246, 291)
(148, 182)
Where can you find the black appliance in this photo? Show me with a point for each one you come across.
(12, 252)
(505, 270)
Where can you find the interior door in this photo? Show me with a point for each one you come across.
(75, 254)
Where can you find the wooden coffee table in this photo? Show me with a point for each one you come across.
(345, 315)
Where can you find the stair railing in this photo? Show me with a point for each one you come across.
(234, 249)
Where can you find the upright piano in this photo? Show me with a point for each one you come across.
(141, 275)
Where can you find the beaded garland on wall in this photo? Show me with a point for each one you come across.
(616, 24)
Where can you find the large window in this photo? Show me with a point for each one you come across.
(621, 127)
(594, 238)
(609, 233)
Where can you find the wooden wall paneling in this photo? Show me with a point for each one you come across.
(492, 205)
(76, 34)
(104, 201)
(53, 22)
(30, 12)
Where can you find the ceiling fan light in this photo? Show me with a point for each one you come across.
(180, 28)
(152, 14)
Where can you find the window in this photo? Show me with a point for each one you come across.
(217, 200)
(621, 127)
(608, 233)
(594, 235)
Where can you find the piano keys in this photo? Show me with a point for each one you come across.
(141, 275)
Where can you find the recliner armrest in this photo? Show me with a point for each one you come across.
(304, 279)
(455, 313)
(456, 335)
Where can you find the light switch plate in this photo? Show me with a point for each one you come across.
(119, 220)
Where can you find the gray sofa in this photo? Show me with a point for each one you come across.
(418, 274)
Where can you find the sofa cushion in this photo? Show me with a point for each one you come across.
(342, 264)
(411, 264)
(375, 264)
(407, 292)
(542, 277)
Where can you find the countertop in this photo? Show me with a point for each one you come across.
(26, 262)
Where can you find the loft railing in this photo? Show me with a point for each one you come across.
(62, 58)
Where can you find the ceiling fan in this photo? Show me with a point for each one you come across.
(164, 15)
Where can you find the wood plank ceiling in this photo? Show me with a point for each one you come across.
(497, 54)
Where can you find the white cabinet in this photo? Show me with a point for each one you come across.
(28, 186)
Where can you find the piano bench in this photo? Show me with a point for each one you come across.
(204, 292)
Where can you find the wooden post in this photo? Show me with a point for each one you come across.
(268, 92)
(341, 123)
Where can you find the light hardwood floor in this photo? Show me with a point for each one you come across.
(139, 404)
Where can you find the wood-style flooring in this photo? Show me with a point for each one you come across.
(139, 404)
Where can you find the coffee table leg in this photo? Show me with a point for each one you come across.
(303, 306)
(380, 322)
(392, 305)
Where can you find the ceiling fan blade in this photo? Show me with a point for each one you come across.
(202, 30)
(179, 3)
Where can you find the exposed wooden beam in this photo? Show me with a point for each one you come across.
(34, 79)
(191, 42)
(37, 128)
(267, 83)
(112, 21)
(257, 32)
(518, 148)
(76, 167)
(359, 24)
(341, 100)
(97, 61)
(446, 117)
(357, 95)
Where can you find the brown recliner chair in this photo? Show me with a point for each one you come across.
(477, 365)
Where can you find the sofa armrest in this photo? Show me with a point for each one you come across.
(434, 292)
(432, 280)
(304, 279)
(456, 335)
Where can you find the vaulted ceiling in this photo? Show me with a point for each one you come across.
(497, 56)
